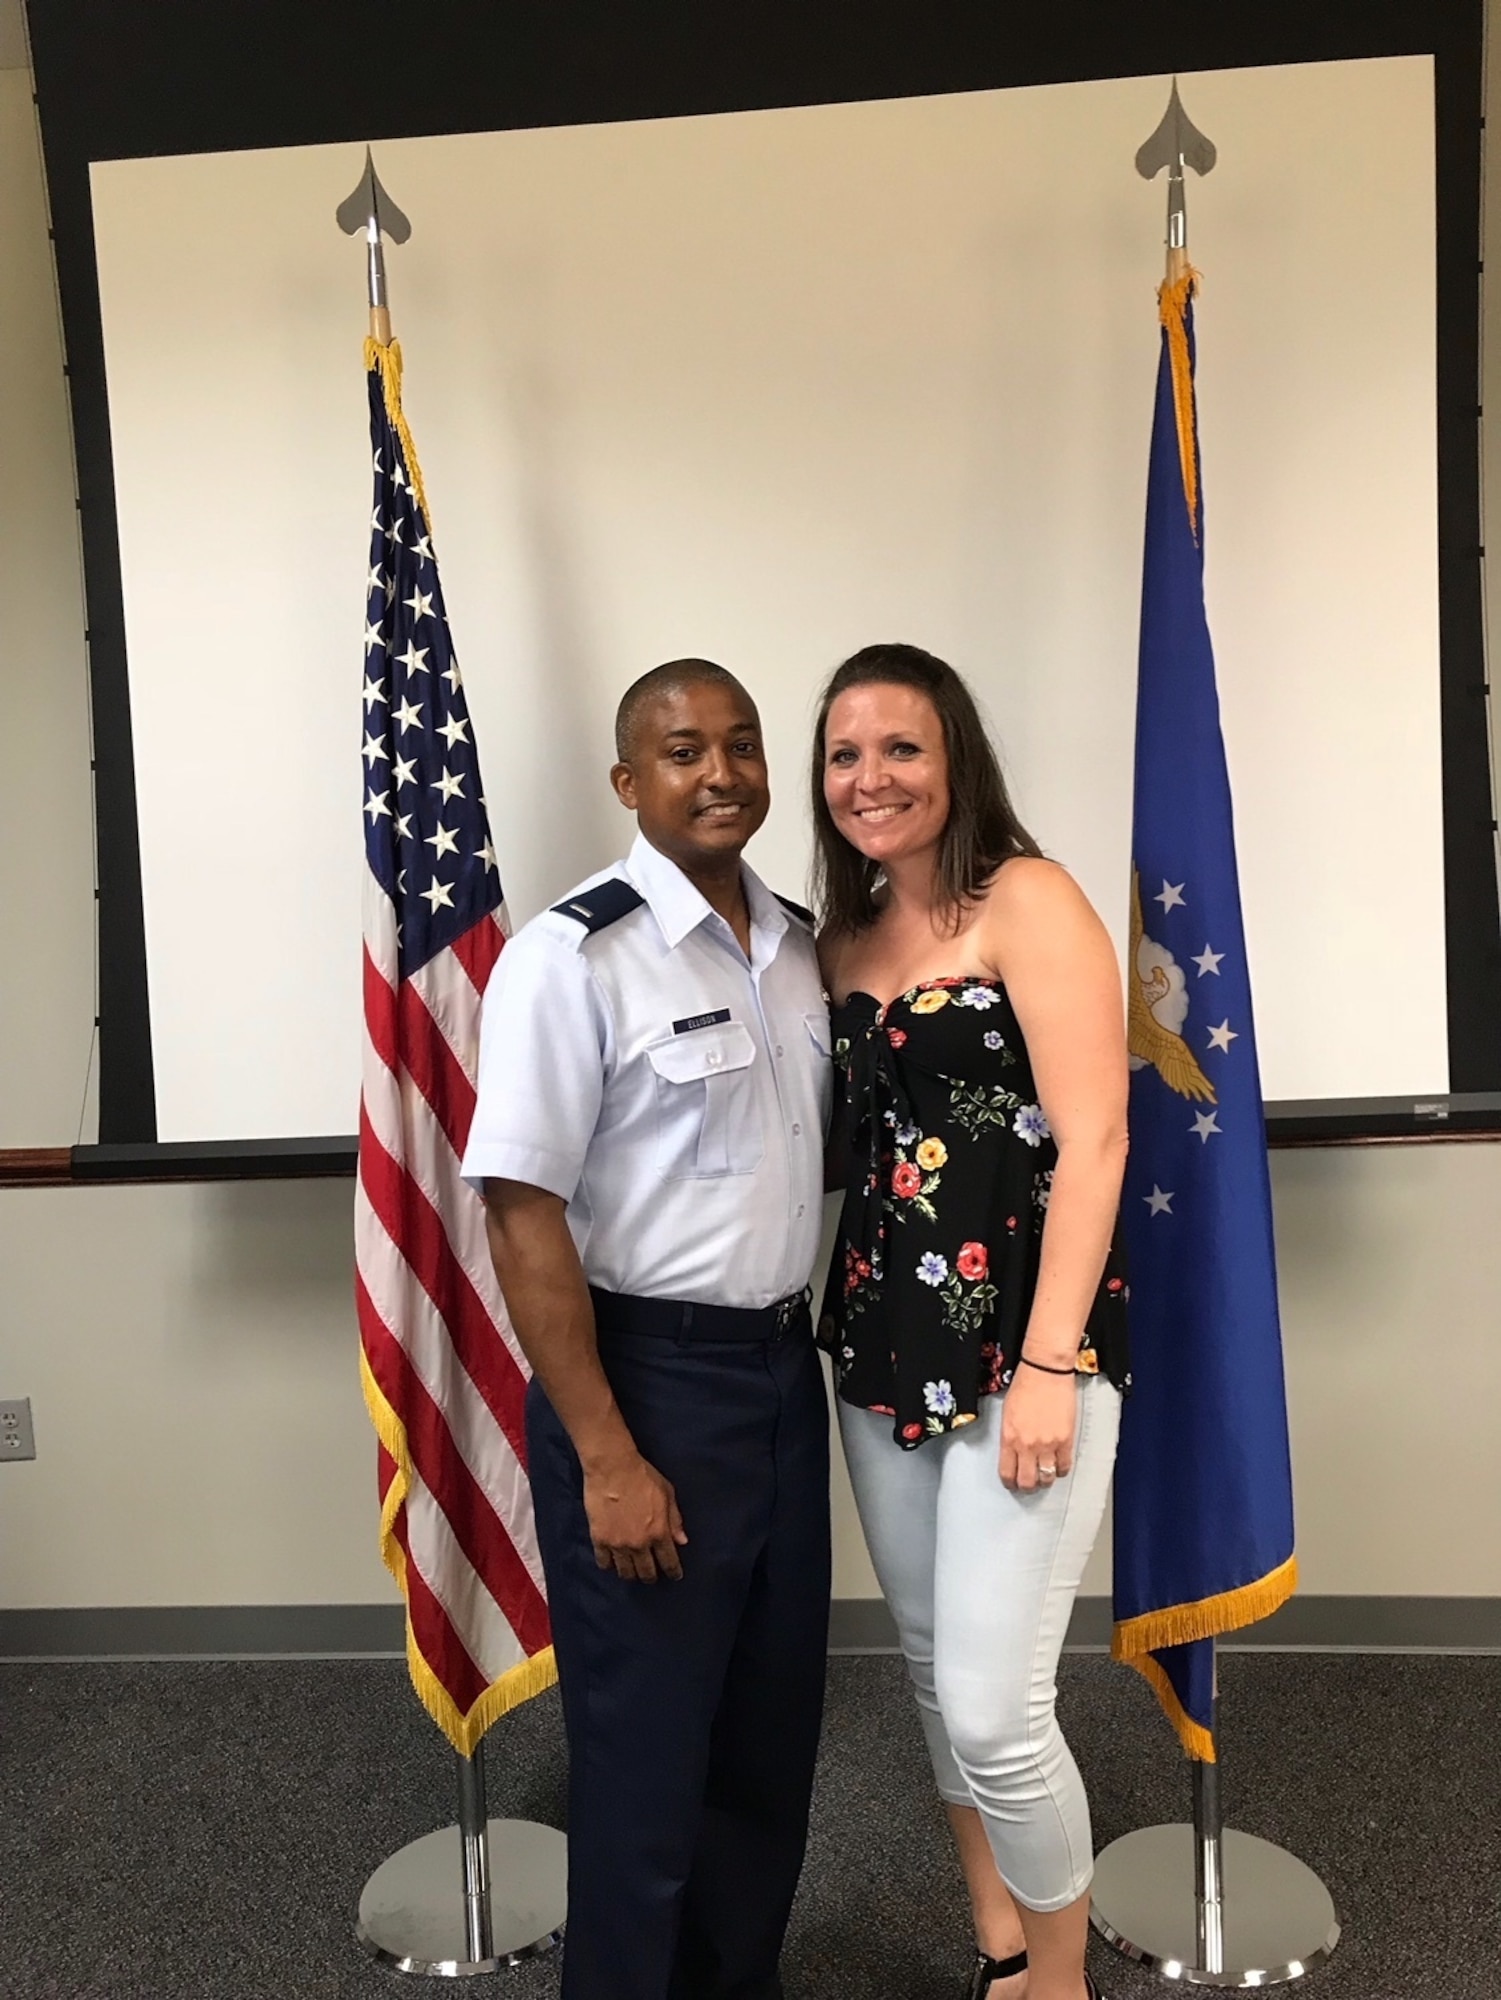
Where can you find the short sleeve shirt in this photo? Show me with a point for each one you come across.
(671, 1090)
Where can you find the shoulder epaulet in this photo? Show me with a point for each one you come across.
(795, 910)
(606, 903)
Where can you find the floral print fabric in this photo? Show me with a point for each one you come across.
(951, 1166)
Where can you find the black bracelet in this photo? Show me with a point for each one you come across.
(1043, 1368)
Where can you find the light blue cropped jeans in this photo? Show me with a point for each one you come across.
(981, 1580)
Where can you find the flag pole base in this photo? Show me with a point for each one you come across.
(1276, 1922)
(413, 1919)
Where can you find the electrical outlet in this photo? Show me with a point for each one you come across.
(17, 1438)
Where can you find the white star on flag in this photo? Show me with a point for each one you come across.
(373, 637)
(404, 771)
(374, 691)
(414, 659)
(373, 748)
(1206, 1127)
(485, 854)
(444, 840)
(421, 604)
(436, 893)
(376, 804)
(1171, 897)
(1208, 961)
(1222, 1036)
(409, 715)
(450, 787)
(454, 731)
(1158, 1202)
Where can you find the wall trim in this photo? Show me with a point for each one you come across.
(857, 1625)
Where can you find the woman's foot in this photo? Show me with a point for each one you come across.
(997, 1978)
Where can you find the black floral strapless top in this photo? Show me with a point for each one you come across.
(936, 1259)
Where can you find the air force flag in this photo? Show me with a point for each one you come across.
(1203, 1494)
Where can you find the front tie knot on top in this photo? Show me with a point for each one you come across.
(936, 1259)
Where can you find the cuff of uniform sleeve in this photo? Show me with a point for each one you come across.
(499, 1160)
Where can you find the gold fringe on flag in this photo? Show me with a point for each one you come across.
(1135, 1640)
(518, 1683)
(386, 356)
(1172, 309)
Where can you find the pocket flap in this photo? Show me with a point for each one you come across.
(818, 1028)
(703, 1052)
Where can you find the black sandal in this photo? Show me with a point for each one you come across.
(1090, 1987)
(987, 1969)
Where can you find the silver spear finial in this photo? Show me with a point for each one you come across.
(372, 210)
(1176, 143)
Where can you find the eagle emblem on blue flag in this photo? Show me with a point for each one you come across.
(1157, 1009)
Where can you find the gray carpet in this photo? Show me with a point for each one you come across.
(202, 1831)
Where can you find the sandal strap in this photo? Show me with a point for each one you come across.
(988, 1969)
(1005, 1968)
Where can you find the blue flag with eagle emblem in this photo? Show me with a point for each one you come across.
(1203, 1485)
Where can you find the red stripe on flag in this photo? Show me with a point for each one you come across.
(478, 949)
(380, 1013)
(437, 1641)
(467, 1508)
(433, 1067)
(415, 1227)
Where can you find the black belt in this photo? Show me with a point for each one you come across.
(685, 1320)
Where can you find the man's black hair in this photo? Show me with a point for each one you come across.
(671, 678)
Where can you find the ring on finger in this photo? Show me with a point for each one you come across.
(1047, 1472)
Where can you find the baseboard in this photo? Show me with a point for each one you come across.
(1307, 1624)
(857, 1625)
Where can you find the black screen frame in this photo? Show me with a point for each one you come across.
(123, 79)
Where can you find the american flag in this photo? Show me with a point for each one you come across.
(443, 1375)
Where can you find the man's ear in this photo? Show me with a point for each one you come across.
(623, 778)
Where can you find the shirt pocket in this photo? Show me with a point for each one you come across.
(707, 1119)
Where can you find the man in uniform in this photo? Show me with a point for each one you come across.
(654, 1086)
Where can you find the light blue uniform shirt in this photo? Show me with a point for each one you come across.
(673, 1092)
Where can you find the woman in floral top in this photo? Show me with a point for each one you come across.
(975, 1312)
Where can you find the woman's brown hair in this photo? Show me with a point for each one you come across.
(982, 829)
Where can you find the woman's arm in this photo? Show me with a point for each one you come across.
(1061, 974)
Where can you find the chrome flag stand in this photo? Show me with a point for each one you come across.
(413, 1920)
(1208, 1905)
(486, 1894)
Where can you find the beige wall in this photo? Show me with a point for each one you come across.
(190, 1350)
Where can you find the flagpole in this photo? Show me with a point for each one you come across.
(409, 1917)
(1209, 1906)
(1202, 1904)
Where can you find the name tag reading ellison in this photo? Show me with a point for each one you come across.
(700, 1021)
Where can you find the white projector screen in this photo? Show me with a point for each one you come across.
(766, 387)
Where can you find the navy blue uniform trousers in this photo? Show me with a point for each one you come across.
(692, 1709)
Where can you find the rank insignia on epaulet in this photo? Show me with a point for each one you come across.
(606, 903)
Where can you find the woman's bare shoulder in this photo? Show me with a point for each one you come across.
(1034, 904)
(1029, 886)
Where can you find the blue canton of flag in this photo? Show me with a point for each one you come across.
(1203, 1492)
(427, 837)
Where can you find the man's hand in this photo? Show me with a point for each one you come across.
(634, 1521)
